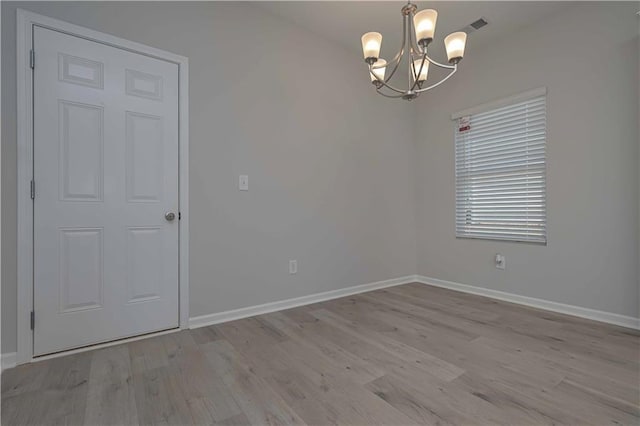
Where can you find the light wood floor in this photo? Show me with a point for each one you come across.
(411, 354)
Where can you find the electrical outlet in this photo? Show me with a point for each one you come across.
(293, 267)
(501, 261)
(243, 183)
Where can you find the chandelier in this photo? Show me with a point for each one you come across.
(417, 33)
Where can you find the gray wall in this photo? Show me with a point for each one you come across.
(335, 171)
(587, 56)
(330, 181)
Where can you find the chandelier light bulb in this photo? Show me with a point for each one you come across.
(379, 72)
(455, 43)
(425, 25)
(416, 69)
(371, 43)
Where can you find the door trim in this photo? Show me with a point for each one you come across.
(25, 23)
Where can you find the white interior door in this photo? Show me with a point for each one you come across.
(106, 173)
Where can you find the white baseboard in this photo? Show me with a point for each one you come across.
(220, 317)
(578, 311)
(8, 360)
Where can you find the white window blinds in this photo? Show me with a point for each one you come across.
(500, 172)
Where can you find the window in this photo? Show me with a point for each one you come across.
(501, 170)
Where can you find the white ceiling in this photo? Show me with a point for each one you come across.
(345, 21)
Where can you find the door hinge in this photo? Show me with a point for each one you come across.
(33, 189)
(33, 320)
(32, 59)
(179, 215)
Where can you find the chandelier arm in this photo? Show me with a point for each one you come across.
(438, 64)
(407, 35)
(398, 58)
(389, 96)
(395, 68)
(453, 71)
(416, 75)
(420, 52)
(384, 83)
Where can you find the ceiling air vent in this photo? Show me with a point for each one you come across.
(475, 25)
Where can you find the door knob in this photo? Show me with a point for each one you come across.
(170, 216)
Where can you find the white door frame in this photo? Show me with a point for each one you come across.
(25, 23)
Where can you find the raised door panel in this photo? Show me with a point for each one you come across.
(81, 269)
(143, 85)
(81, 151)
(144, 153)
(76, 70)
(144, 263)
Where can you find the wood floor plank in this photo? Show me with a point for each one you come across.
(148, 354)
(459, 327)
(24, 378)
(569, 405)
(538, 338)
(259, 402)
(239, 420)
(250, 332)
(438, 367)
(156, 394)
(65, 387)
(323, 352)
(207, 398)
(471, 355)
(361, 348)
(424, 404)
(156, 401)
(111, 397)
(205, 334)
(317, 393)
(511, 406)
(421, 410)
(411, 354)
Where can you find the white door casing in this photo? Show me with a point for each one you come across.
(109, 153)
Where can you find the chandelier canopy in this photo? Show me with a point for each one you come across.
(418, 29)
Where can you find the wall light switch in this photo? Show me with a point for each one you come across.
(243, 183)
(293, 267)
